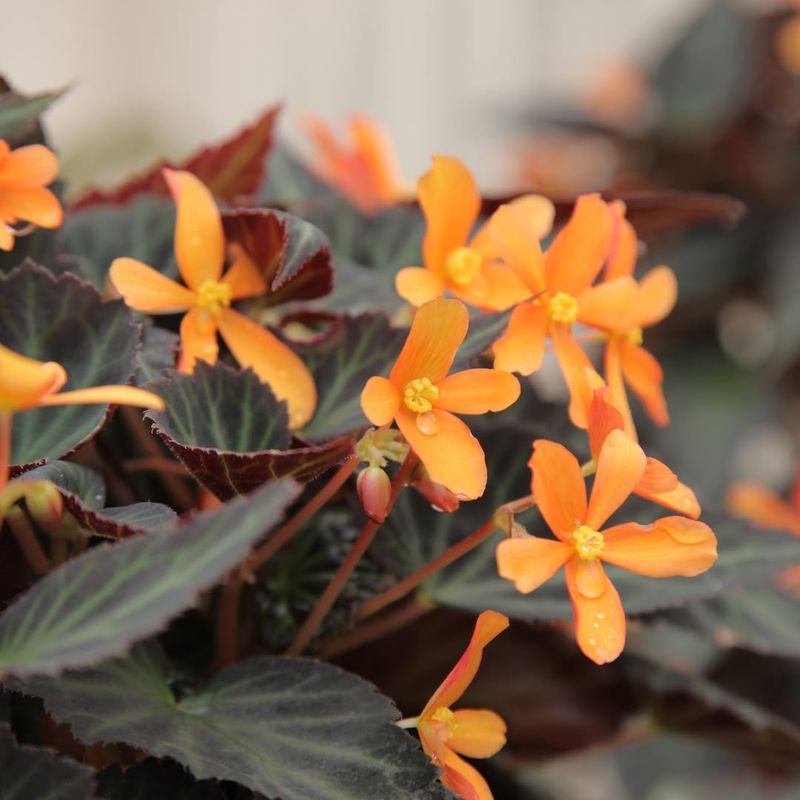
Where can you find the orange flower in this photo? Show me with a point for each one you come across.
(207, 297)
(476, 733)
(24, 173)
(26, 383)
(419, 396)
(764, 507)
(668, 547)
(560, 281)
(466, 267)
(366, 173)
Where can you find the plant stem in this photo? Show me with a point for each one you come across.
(28, 541)
(5, 448)
(227, 620)
(337, 584)
(292, 525)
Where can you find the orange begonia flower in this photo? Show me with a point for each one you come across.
(468, 268)
(207, 297)
(560, 281)
(659, 483)
(366, 171)
(476, 733)
(26, 383)
(24, 173)
(422, 398)
(764, 507)
(667, 547)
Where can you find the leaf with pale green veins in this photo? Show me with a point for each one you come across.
(97, 605)
(289, 728)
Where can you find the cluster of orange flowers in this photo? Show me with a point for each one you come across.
(584, 277)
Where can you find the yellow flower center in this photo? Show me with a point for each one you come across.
(443, 714)
(418, 395)
(588, 543)
(462, 266)
(213, 296)
(562, 307)
(634, 336)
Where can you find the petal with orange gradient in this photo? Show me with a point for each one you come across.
(576, 369)
(603, 418)
(417, 285)
(464, 779)
(515, 237)
(658, 293)
(26, 167)
(273, 362)
(244, 277)
(619, 469)
(476, 391)
(580, 249)
(521, 347)
(617, 393)
(199, 240)
(488, 626)
(147, 290)
(7, 239)
(450, 201)
(656, 479)
(25, 382)
(559, 487)
(477, 733)
(761, 507)
(681, 499)
(436, 333)
(670, 547)
(531, 561)
(502, 287)
(452, 455)
(645, 376)
(380, 400)
(116, 395)
(611, 305)
(380, 161)
(198, 340)
(32, 204)
(599, 620)
(624, 245)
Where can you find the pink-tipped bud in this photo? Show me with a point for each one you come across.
(44, 503)
(374, 490)
(441, 498)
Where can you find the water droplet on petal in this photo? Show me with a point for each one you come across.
(428, 423)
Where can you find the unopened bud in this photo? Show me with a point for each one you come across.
(441, 498)
(374, 491)
(44, 503)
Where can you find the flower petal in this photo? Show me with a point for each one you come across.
(761, 507)
(559, 487)
(450, 201)
(452, 455)
(463, 779)
(117, 395)
(378, 157)
(436, 333)
(26, 167)
(417, 285)
(147, 290)
(645, 376)
(619, 468)
(198, 340)
(658, 293)
(617, 394)
(657, 478)
(503, 287)
(672, 546)
(576, 369)
(624, 245)
(603, 418)
(681, 499)
(476, 391)
(530, 561)
(515, 236)
(25, 382)
(477, 733)
(488, 626)
(7, 239)
(380, 400)
(273, 362)
(611, 305)
(199, 240)
(35, 204)
(521, 347)
(599, 621)
(244, 277)
(580, 249)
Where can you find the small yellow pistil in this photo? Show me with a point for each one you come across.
(462, 266)
(563, 307)
(418, 395)
(588, 543)
(443, 714)
(213, 296)
(634, 336)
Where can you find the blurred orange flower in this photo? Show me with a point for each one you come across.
(668, 547)
(764, 507)
(207, 297)
(24, 173)
(476, 733)
(422, 398)
(466, 267)
(366, 171)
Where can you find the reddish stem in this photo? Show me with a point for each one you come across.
(28, 541)
(5, 448)
(227, 621)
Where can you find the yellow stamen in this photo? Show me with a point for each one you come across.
(213, 296)
(634, 336)
(563, 307)
(588, 543)
(462, 266)
(443, 714)
(418, 395)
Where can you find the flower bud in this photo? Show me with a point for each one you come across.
(374, 490)
(441, 498)
(44, 503)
